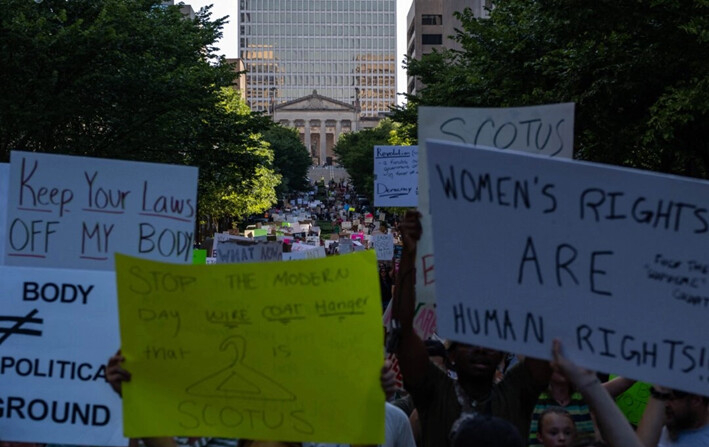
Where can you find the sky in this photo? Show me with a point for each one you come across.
(229, 43)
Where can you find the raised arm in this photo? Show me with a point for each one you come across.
(409, 349)
(650, 426)
(614, 428)
(618, 386)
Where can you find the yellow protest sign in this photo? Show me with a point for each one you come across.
(269, 351)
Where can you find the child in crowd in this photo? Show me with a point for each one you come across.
(556, 428)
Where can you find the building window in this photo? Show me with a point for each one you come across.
(431, 19)
(432, 39)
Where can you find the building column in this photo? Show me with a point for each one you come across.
(338, 130)
(323, 143)
(307, 137)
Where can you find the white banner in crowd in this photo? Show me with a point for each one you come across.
(4, 185)
(58, 327)
(300, 253)
(396, 176)
(75, 212)
(545, 130)
(235, 252)
(612, 261)
(384, 246)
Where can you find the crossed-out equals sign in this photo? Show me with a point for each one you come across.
(5, 332)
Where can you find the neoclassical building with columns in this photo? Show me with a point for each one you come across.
(320, 121)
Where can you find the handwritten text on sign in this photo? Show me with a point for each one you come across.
(383, 245)
(57, 329)
(395, 175)
(545, 130)
(611, 260)
(75, 212)
(258, 350)
(233, 252)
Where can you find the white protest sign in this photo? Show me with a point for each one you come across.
(4, 185)
(612, 261)
(345, 246)
(58, 327)
(223, 237)
(546, 130)
(75, 212)
(235, 252)
(314, 253)
(396, 176)
(384, 246)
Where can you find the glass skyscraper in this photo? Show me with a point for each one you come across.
(344, 49)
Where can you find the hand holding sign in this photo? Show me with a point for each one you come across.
(253, 350)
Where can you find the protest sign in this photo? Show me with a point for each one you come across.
(612, 261)
(237, 252)
(239, 350)
(345, 246)
(384, 246)
(58, 327)
(546, 130)
(299, 246)
(424, 325)
(315, 253)
(4, 185)
(632, 402)
(395, 176)
(199, 256)
(75, 212)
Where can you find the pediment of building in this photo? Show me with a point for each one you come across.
(314, 102)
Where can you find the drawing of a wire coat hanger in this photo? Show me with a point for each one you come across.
(238, 380)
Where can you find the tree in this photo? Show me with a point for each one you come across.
(290, 159)
(638, 74)
(134, 80)
(355, 152)
(245, 182)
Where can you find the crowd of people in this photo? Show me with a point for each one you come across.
(461, 395)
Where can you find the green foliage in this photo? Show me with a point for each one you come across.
(637, 72)
(355, 152)
(291, 159)
(135, 80)
(245, 182)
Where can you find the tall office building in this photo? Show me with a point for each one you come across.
(431, 25)
(344, 49)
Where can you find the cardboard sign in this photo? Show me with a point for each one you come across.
(396, 176)
(75, 212)
(58, 327)
(238, 350)
(612, 261)
(384, 246)
(546, 130)
(236, 252)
